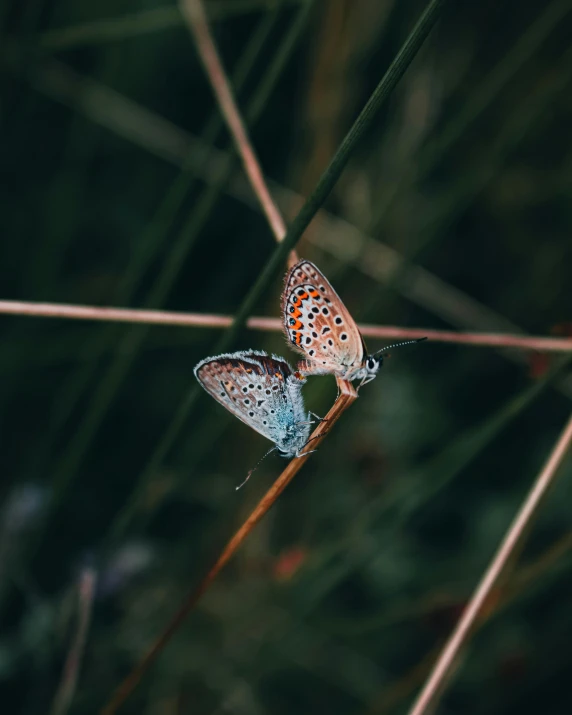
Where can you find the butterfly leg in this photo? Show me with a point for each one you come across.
(304, 454)
(365, 380)
(311, 440)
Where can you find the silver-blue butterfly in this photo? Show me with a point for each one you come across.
(263, 392)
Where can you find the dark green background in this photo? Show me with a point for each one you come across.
(340, 598)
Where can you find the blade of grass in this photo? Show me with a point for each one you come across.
(68, 464)
(417, 284)
(66, 690)
(196, 19)
(144, 22)
(221, 86)
(71, 460)
(481, 97)
(111, 29)
(513, 132)
(390, 79)
(524, 579)
(151, 241)
(335, 235)
(445, 665)
(400, 505)
(327, 181)
(347, 396)
(528, 577)
(517, 127)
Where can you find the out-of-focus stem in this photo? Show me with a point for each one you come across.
(445, 665)
(345, 398)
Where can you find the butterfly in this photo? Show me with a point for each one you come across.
(263, 392)
(319, 325)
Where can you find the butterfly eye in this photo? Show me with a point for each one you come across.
(371, 364)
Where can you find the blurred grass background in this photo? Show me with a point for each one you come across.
(119, 189)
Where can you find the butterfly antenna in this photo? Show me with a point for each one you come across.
(255, 468)
(383, 352)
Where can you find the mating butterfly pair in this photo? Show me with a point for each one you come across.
(263, 391)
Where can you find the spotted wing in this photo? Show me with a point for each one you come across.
(317, 322)
(253, 386)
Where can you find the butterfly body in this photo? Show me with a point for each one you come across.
(319, 325)
(263, 392)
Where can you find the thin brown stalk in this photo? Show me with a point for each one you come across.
(347, 395)
(526, 576)
(335, 235)
(211, 320)
(64, 695)
(195, 16)
(445, 665)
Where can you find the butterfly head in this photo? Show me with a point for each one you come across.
(367, 370)
(372, 363)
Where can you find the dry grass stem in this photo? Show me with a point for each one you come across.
(209, 320)
(437, 188)
(347, 395)
(518, 584)
(194, 13)
(335, 235)
(445, 665)
(65, 692)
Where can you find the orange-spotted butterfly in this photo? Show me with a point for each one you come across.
(263, 392)
(319, 325)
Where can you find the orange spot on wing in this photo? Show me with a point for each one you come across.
(304, 295)
(314, 293)
(297, 325)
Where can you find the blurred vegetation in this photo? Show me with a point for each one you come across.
(118, 189)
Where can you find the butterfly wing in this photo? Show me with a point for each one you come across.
(260, 390)
(318, 324)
